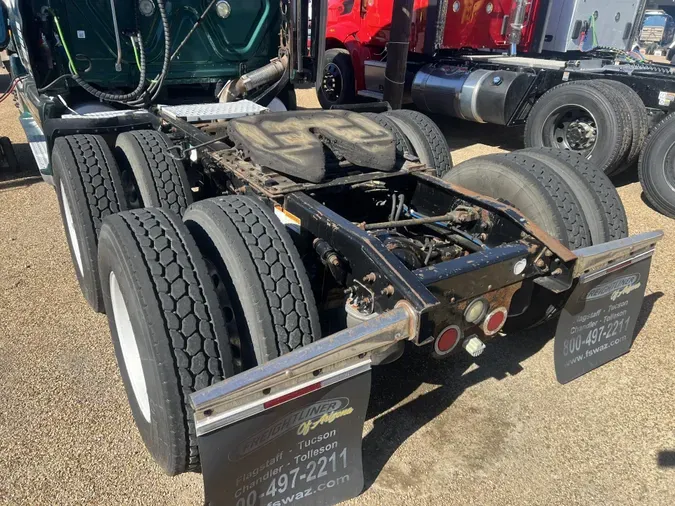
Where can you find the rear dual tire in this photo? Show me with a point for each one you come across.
(152, 177)
(166, 326)
(556, 191)
(184, 299)
(427, 140)
(416, 134)
(89, 188)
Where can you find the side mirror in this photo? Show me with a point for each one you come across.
(4, 27)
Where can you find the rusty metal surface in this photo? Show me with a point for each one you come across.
(506, 210)
(273, 185)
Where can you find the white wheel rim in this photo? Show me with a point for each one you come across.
(130, 354)
(71, 232)
(277, 105)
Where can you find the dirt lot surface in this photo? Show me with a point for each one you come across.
(497, 431)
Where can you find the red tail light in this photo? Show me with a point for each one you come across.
(448, 340)
(494, 321)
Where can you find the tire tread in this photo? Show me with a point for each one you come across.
(197, 360)
(277, 272)
(439, 150)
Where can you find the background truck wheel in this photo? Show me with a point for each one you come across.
(540, 194)
(601, 185)
(89, 188)
(261, 281)
(581, 118)
(639, 121)
(151, 177)
(656, 168)
(403, 145)
(622, 108)
(8, 156)
(425, 137)
(166, 326)
(338, 86)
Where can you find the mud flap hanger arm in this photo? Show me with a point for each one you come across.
(595, 261)
(228, 401)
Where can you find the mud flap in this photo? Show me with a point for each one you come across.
(598, 322)
(302, 447)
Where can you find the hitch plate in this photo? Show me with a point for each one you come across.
(304, 451)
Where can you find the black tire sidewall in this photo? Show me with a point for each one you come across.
(227, 244)
(84, 231)
(224, 245)
(598, 221)
(342, 59)
(606, 153)
(130, 155)
(652, 167)
(144, 314)
(426, 138)
(486, 172)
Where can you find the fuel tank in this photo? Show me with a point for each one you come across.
(483, 96)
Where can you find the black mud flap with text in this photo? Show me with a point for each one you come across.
(302, 451)
(598, 322)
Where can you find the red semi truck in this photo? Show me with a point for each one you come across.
(563, 69)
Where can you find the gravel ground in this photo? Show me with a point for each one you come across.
(497, 431)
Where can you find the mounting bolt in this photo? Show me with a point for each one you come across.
(557, 272)
(497, 80)
(548, 253)
(388, 291)
(540, 263)
(370, 278)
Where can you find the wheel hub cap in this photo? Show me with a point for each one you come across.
(332, 82)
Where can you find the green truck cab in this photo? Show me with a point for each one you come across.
(73, 59)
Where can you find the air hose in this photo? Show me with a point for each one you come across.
(156, 85)
(113, 97)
